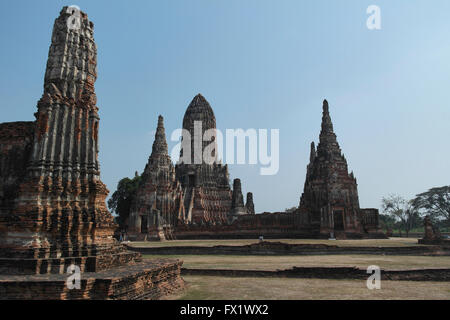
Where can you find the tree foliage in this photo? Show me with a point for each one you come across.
(387, 221)
(402, 211)
(435, 202)
(122, 199)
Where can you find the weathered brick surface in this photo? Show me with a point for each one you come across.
(15, 146)
(159, 200)
(59, 211)
(52, 207)
(207, 192)
(149, 279)
(330, 194)
(210, 209)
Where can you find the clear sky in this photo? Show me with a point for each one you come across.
(261, 64)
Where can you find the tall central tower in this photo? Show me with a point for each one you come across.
(205, 182)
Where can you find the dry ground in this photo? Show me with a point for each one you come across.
(392, 242)
(213, 288)
(287, 262)
(238, 288)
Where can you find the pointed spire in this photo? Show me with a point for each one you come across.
(325, 105)
(159, 148)
(199, 98)
(200, 102)
(327, 125)
(160, 122)
(327, 140)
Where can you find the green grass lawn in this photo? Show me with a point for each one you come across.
(229, 288)
(237, 262)
(392, 242)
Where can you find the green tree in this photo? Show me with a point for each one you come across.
(435, 202)
(122, 199)
(387, 221)
(402, 211)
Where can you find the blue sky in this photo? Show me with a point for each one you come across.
(261, 64)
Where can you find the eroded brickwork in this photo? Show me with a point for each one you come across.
(329, 204)
(207, 192)
(53, 212)
(330, 193)
(237, 201)
(59, 214)
(159, 201)
(16, 140)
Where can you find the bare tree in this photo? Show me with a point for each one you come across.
(402, 210)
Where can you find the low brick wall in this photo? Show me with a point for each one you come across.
(279, 248)
(328, 273)
(149, 280)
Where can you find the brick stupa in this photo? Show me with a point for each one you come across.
(159, 199)
(52, 206)
(330, 194)
(206, 185)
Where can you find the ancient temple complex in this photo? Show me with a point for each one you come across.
(53, 215)
(196, 192)
(199, 202)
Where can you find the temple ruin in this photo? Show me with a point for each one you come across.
(330, 195)
(53, 216)
(194, 192)
(159, 201)
(207, 196)
(206, 206)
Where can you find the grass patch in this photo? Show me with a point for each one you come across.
(392, 242)
(286, 262)
(215, 288)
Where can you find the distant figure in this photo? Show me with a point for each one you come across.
(261, 238)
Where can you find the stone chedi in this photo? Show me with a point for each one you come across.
(60, 210)
(159, 200)
(249, 205)
(330, 195)
(52, 206)
(207, 192)
(237, 201)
